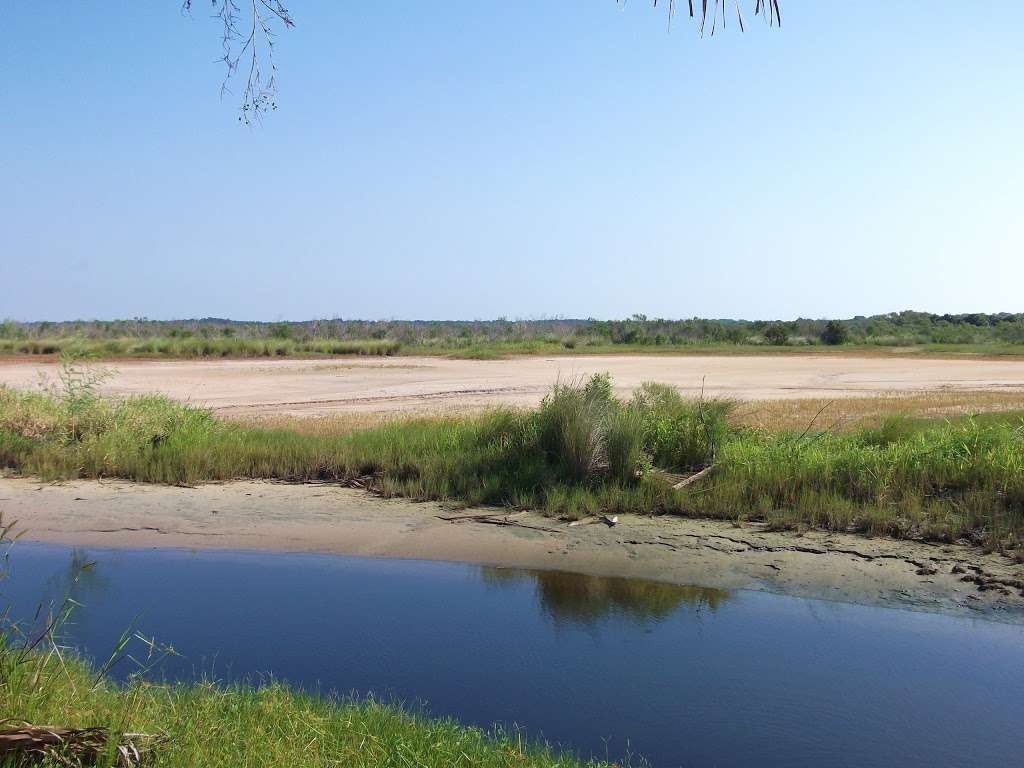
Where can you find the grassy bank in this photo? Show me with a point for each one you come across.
(209, 726)
(581, 452)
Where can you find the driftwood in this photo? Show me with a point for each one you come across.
(365, 483)
(517, 524)
(693, 478)
(496, 518)
(478, 517)
(606, 519)
(70, 746)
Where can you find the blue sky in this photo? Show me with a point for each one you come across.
(528, 159)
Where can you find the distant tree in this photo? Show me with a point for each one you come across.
(10, 330)
(835, 333)
(777, 334)
(735, 335)
(248, 33)
(280, 331)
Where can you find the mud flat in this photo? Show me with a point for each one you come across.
(954, 579)
(316, 387)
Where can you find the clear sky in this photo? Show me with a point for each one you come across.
(526, 159)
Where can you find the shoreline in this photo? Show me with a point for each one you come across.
(328, 519)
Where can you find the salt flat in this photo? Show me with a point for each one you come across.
(317, 387)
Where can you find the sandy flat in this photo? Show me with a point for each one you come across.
(314, 387)
(325, 518)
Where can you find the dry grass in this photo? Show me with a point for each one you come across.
(340, 423)
(333, 425)
(848, 414)
(840, 414)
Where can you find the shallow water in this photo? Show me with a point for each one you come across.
(682, 675)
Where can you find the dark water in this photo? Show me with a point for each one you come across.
(682, 675)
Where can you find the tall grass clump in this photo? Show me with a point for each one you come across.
(681, 433)
(593, 436)
(573, 425)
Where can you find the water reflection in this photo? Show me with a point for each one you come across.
(79, 580)
(69, 587)
(582, 599)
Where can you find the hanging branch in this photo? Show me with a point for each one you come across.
(247, 39)
(767, 9)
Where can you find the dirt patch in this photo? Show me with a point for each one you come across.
(325, 518)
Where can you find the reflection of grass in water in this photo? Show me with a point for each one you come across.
(81, 577)
(587, 599)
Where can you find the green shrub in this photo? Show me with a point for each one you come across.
(777, 335)
(280, 331)
(835, 333)
(681, 433)
(893, 429)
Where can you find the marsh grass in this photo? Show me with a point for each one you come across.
(207, 725)
(262, 344)
(197, 347)
(582, 451)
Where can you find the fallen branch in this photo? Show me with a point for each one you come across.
(517, 524)
(694, 477)
(366, 483)
(476, 517)
(495, 519)
(72, 746)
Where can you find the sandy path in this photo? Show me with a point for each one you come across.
(323, 518)
(312, 387)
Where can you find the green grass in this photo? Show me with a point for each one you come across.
(206, 725)
(582, 451)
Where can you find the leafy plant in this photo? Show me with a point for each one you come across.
(834, 333)
(777, 335)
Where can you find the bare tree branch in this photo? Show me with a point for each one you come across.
(247, 40)
(767, 9)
